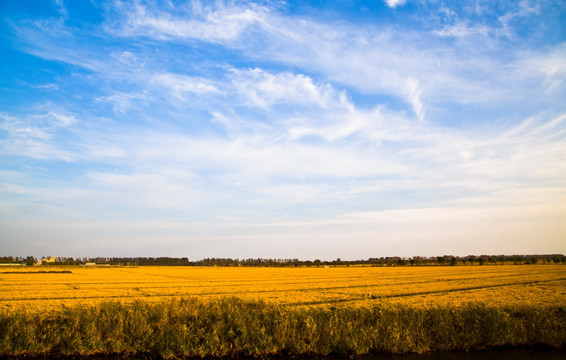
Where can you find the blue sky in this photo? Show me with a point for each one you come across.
(282, 129)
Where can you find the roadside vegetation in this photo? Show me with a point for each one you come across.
(181, 328)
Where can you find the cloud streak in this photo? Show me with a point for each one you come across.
(217, 22)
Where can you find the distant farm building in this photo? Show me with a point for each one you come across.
(48, 260)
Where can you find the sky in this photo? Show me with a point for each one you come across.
(282, 129)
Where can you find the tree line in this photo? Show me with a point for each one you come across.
(446, 260)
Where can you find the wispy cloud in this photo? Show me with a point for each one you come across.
(414, 97)
(235, 122)
(121, 101)
(215, 22)
(180, 84)
(35, 136)
(461, 30)
(263, 89)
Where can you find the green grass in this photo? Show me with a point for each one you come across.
(232, 327)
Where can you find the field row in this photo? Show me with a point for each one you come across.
(543, 285)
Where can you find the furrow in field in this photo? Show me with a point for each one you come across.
(421, 293)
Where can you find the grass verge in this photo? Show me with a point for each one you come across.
(187, 328)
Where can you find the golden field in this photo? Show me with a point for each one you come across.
(48, 288)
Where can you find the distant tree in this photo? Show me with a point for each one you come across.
(6, 259)
(30, 260)
(453, 261)
(482, 260)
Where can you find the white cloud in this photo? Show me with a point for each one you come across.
(342, 120)
(216, 23)
(61, 119)
(179, 174)
(122, 102)
(263, 89)
(548, 66)
(46, 86)
(395, 3)
(34, 136)
(179, 85)
(414, 97)
(462, 30)
(524, 10)
(61, 9)
(463, 73)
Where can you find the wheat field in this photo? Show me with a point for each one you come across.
(50, 288)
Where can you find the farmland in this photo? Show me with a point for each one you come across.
(536, 285)
(180, 312)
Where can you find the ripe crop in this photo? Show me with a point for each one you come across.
(536, 285)
(188, 312)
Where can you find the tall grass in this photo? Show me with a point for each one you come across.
(230, 327)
